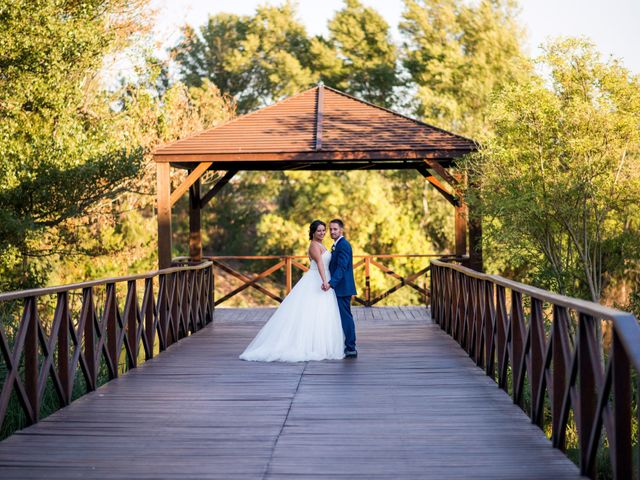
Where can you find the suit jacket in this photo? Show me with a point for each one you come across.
(341, 269)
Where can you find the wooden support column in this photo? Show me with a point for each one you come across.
(164, 214)
(475, 242)
(475, 233)
(195, 220)
(462, 225)
(461, 229)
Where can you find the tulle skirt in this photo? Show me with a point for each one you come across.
(306, 326)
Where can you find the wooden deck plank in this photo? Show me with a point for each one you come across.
(413, 405)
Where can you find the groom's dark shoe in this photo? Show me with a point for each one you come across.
(350, 354)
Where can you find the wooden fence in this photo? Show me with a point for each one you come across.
(289, 263)
(569, 362)
(171, 304)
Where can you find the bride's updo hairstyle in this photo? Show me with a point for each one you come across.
(314, 226)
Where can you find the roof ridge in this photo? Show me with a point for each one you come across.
(406, 117)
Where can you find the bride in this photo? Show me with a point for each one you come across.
(307, 324)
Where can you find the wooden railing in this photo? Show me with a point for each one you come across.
(290, 262)
(110, 319)
(565, 360)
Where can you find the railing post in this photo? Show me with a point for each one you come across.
(489, 325)
(63, 346)
(111, 315)
(537, 361)
(367, 280)
(623, 460)
(132, 322)
(31, 357)
(150, 317)
(210, 293)
(163, 310)
(517, 344)
(559, 379)
(287, 269)
(89, 336)
(587, 396)
(501, 331)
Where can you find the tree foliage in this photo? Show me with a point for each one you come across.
(256, 59)
(359, 56)
(458, 54)
(557, 177)
(60, 151)
(73, 152)
(119, 235)
(560, 177)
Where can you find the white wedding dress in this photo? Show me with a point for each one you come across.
(306, 326)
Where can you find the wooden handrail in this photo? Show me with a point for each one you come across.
(275, 257)
(39, 292)
(175, 302)
(514, 342)
(287, 262)
(625, 322)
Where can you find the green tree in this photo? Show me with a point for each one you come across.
(359, 56)
(262, 213)
(60, 151)
(256, 59)
(561, 175)
(458, 54)
(118, 235)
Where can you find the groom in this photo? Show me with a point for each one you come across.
(341, 270)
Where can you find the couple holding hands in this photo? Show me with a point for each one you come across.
(314, 322)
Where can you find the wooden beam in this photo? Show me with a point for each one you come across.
(195, 234)
(440, 170)
(164, 215)
(319, 116)
(232, 158)
(461, 230)
(190, 180)
(217, 187)
(439, 186)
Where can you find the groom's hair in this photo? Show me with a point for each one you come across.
(338, 222)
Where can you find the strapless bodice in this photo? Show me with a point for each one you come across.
(326, 258)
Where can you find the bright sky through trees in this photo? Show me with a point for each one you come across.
(612, 25)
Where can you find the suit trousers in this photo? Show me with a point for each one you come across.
(348, 327)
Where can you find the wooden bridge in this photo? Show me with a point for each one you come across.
(413, 405)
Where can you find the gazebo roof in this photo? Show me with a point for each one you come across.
(319, 129)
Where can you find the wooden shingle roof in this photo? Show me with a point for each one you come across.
(321, 128)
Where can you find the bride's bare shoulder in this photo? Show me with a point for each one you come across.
(315, 249)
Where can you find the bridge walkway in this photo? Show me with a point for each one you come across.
(412, 406)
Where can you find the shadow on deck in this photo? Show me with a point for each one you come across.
(414, 405)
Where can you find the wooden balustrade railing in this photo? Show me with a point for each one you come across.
(150, 311)
(290, 262)
(567, 363)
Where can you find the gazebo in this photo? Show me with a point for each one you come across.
(319, 129)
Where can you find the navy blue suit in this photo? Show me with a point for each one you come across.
(343, 283)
